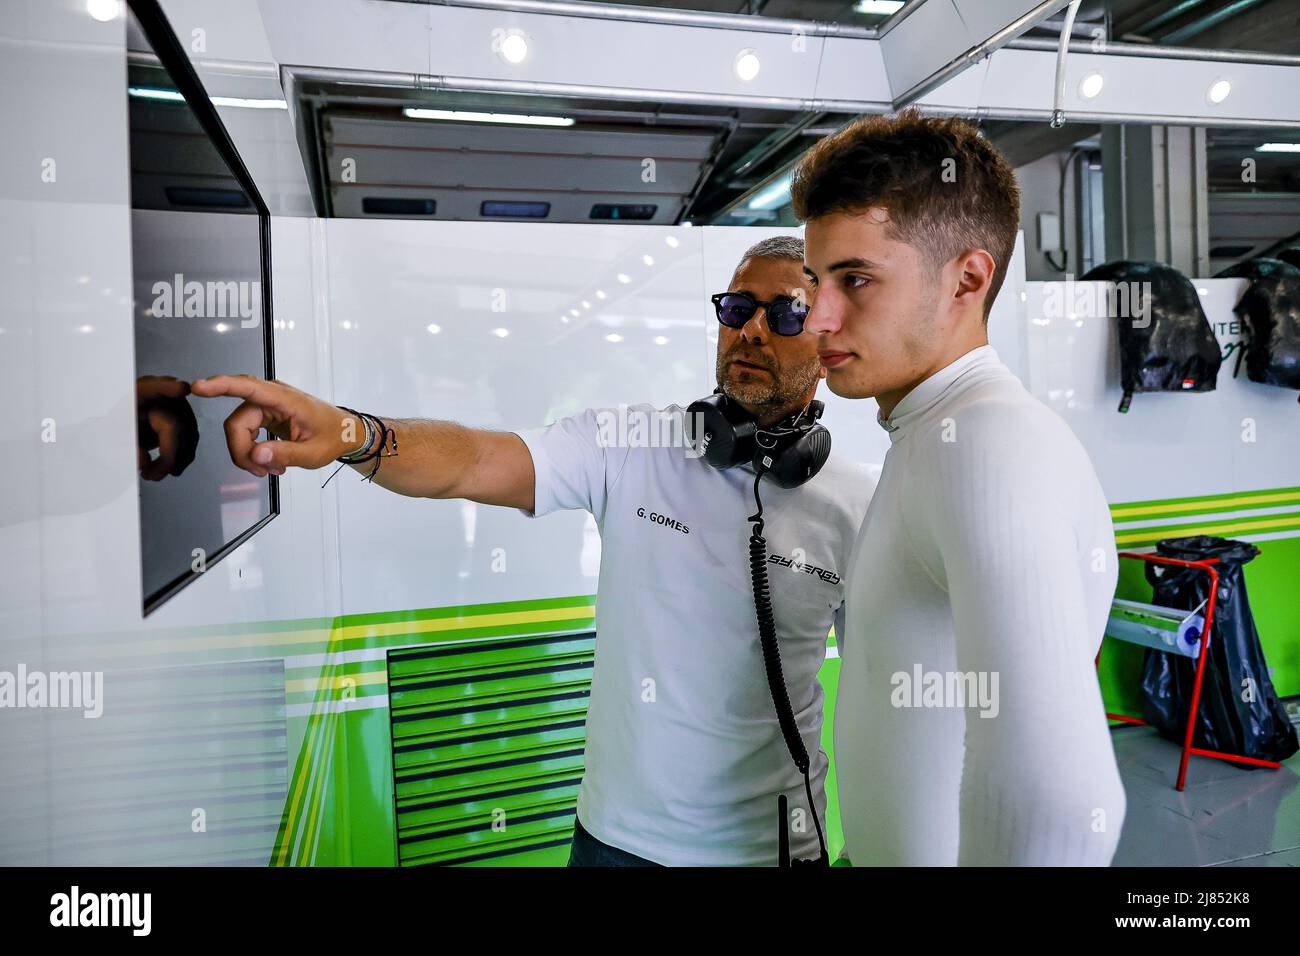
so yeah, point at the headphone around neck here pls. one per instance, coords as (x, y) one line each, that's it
(789, 452)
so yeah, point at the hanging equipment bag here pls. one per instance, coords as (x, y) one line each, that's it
(1165, 342)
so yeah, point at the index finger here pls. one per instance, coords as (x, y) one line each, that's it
(256, 390)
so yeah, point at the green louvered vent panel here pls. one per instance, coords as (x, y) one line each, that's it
(485, 731)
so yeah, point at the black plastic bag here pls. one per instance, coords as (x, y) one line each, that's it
(1170, 346)
(1270, 311)
(1225, 721)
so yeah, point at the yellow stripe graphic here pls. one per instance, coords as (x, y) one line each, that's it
(1125, 512)
(436, 625)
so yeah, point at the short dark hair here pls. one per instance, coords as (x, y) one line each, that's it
(947, 189)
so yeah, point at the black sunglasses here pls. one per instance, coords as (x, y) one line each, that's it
(785, 315)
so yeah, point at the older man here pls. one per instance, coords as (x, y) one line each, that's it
(685, 760)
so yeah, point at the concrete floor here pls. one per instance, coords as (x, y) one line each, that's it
(1225, 816)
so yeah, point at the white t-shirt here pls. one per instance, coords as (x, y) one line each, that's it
(684, 757)
(986, 565)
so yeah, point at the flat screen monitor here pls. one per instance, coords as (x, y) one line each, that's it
(200, 247)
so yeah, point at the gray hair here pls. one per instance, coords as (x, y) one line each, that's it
(774, 247)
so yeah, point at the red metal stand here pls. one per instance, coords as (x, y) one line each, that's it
(1208, 567)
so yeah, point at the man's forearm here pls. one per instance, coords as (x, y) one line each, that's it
(433, 458)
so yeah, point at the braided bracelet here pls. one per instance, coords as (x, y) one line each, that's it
(364, 452)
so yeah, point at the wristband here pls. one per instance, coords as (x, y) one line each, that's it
(360, 453)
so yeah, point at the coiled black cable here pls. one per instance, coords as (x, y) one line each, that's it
(772, 661)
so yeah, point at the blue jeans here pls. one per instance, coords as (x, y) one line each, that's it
(588, 851)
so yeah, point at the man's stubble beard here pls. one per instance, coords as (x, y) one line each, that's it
(784, 388)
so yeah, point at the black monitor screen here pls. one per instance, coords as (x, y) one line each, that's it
(201, 263)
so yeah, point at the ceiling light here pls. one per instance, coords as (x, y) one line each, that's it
(746, 65)
(103, 10)
(880, 8)
(172, 96)
(470, 116)
(247, 103)
(1091, 85)
(1218, 92)
(1278, 148)
(774, 196)
(514, 48)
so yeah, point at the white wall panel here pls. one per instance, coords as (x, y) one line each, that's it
(1169, 444)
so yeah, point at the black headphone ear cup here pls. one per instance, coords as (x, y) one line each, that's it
(819, 447)
(722, 433)
(797, 460)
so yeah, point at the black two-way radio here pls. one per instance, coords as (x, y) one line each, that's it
(790, 453)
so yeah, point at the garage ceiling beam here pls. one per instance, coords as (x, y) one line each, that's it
(930, 41)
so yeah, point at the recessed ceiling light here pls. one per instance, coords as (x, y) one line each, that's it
(501, 333)
(174, 96)
(881, 8)
(1091, 85)
(433, 328)
(104, 10)
(774, 196)
(613, 337)
(471, 116)
(1218, 91)
(746, 65)
(514, 47)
